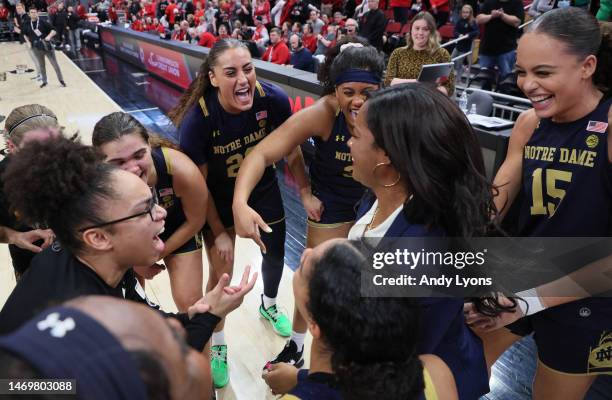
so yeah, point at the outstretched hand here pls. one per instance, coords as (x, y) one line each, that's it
(223, 298)
(247, 223)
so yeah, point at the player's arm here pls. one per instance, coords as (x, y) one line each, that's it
(508, 178)
(190, 186)
(316, 120)
(441, 376)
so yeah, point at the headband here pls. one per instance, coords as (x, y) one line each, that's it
(358, 75)
(65, 343)
(29, 118)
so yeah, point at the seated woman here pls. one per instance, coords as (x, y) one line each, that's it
(356, 363)
(24, 124)
(422, 48)
(106, 221)
(178, 185)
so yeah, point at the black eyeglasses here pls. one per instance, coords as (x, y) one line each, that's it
(153, 201)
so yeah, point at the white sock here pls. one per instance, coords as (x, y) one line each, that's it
(298, 338)
(268, 301)
(218, 338)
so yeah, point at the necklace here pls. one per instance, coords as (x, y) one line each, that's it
(370, 226)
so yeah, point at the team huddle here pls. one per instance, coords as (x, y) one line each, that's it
(397, 161)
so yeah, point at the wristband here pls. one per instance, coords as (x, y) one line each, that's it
(529, 302)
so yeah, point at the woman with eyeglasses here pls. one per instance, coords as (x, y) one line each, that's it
(180, 188)
(106, 221)
(24, 124)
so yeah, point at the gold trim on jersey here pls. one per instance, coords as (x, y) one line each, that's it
(203, 106)
(167, 160)
(260, 89)
(315, 224)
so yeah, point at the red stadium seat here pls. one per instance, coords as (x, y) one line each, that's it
(405, 29)
(446, 32)
(389, 14)
(393, 27)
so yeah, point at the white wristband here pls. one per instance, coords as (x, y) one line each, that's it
(529, 302)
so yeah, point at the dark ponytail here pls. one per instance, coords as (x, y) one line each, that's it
(115, 125)
(583, 36)
(58, 183)
(201, 84)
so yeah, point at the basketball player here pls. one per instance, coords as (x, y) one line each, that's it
(222, 116)
(350, 72)
(180, 189)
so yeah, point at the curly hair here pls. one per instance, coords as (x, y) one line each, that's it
(59, 183)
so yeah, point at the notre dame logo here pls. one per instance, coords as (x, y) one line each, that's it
(600, 357)
(592, 141)
(262, 123)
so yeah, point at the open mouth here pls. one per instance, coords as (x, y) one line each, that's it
(157, 242)
(243, 95)
(354, 113)
(541, 101)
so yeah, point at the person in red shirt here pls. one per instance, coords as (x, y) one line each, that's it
(277, 52)
(207, 39)
(440, 10)
(401, 10)
(171, 12)
(149, 9)
(137, 24)
(4, 13)
(309, 39)
(199, 13)
(262, 8)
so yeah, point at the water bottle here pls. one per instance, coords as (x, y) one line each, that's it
(463, 102)
(472, 109)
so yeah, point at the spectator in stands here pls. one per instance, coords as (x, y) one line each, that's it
(207, 39)
(301, 11)
(74, 32)
(440, 10)
(351, 27)
(182, 34)
(149, 9)
(401, 10)
(422, 48)
(301, 57)
(468, 28)
(316, 22)
(223, 32)
(498, 46)
(296, 27)
(161, 8)
(360, 10)
(199, 13)
(244, 13)
(286, 31)
(171, 12)
(539, 7)
(134, 8)
(4, 14)
(190, 20)
(59, 20)
(309, 39)
(260, 36)
(372, 25)
(188, 7)
(277, 12)
(136, 24)
(339, 19)
(262, 8)
(277, 52)
(324, 43)
(330, 7)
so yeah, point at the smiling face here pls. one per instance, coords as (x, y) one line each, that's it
(554, 80)
(130, 153)
(420, 34)
(351, 96)
(234, 77)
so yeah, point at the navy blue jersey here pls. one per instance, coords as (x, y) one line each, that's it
(331, 171)
(567, 186)
(315, 386)
(443, 329)
(165, 192)
(210, 135)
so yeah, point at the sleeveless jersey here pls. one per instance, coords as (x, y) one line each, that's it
(210, 135)
(165, 192)
(567, 182)
(331, 170)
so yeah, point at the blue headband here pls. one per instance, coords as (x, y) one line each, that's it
(64, 343)
(358, 75)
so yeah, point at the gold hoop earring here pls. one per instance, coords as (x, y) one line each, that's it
(380, 164)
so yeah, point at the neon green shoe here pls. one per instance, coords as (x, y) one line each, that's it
(218, 365)
(280, 322)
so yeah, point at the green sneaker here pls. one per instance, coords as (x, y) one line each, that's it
(218, 365)
(280, 322)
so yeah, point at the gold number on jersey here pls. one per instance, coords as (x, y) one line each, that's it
(348, 171)
(552, 176)
(234, 162)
